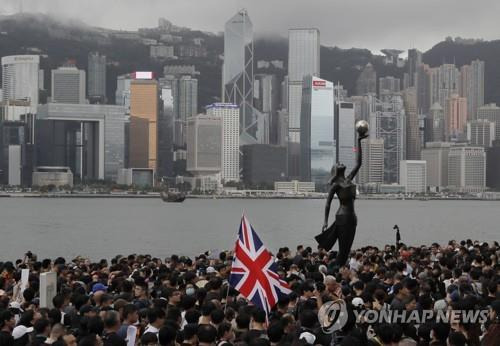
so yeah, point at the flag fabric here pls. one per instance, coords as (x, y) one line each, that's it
(254, 272)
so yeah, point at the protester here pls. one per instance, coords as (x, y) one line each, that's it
(143, 300)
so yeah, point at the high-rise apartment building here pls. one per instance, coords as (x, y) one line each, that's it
(143, 142)
(20, 79)
(317, 147)
(388, 122)
(412, 124)
(367, 81)
(491, 112)
(436, 156)
(413, 176)
(204, 145)
(372, 170)
(422, 80)
(456, 117)
(467, 169)
(414, 61)
(472, 86)
(344, 134)
(96, 74)
(230, 115)
(481, 132)
(68, 85)
(303, 60)
(437, 122)
(237, 73)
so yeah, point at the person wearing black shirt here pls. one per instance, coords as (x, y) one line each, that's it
(7, 324)
(111, 327)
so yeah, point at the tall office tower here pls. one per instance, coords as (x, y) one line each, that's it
(230, 115)
(413, 176)
(345, 142)
(456, 117)
(165, 132)
(472, 87)
(283, 128)
(414, 61)
(412, 124)
(303, 60)
(237, 73)
(339, 92)
(20, 79)
(122, 94)
(367, 81)
(389, 84)
(481, 132)
(388, 122)
(96, 74)
(186, 105)
(438, 123)
(467, 169)
(422, 80)
(317, 147)
(90, 139)
(449, 81)
(372, 170)
(493, 166)
(284, 93)
(266, 100)
(68, 85)
(491, 112)
(434, 86)
(363, 106)
(436, 156)
(204, 145)
(143, 142)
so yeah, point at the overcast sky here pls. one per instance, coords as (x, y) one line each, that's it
(372, 24)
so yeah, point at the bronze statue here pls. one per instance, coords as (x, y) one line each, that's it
(344, 227)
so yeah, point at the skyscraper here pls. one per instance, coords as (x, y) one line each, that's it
(303, 60)
(467, 169)
(422, 80)
(456, 117)
(412, 124)
(413, 176)
(185, 106)
(436, 156)
(491, 112)
(389, 84)
(143, 143)
(68, 84)
(237, 72)
(388, 122)
(122, 94)
(493, 166)
(266, 99)
(204, 144)
(481, 132)
(414, 61)
(438, 123)
(96, 75)
(20, 79)
(345, 143)
(317, 147)
(448, 83)
(230, 115)
(372, 170)
(165, 132)
(367, 81)
(472, 86)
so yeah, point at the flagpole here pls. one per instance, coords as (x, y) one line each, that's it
(228, 284)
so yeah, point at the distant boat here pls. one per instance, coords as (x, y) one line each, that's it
(175, 197)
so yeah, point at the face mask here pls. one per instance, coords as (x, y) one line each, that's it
(190, 291)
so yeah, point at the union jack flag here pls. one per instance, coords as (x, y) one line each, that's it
(254, 271)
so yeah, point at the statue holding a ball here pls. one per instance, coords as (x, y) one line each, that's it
(344, 227)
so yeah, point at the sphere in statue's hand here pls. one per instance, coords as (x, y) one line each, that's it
(362, 127)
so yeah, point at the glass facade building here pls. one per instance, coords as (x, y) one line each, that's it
(317, 147)
(345, 134)
(20, 74)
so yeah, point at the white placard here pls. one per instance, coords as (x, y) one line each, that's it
(131, 335)
(48, 289)
(25, 274)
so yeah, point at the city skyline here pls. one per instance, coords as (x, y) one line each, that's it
(374, 34)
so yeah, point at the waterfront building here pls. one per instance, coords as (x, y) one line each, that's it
(140, 177)
(263, 164)
(317, 147)
(56, 176)
(344, 134)
(90, 139)
(372, 170)
(413, 176)
(230, 115)
(491, 112)
(493, 166)
(294, 186)
(435, 154)
(481, 132)
(467, 169)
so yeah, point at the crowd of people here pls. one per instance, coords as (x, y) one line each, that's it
(143, 300)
